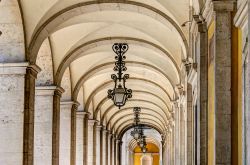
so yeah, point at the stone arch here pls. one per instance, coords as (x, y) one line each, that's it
(134, 91)
(129, 108)
(74, 53)
(135, 100)
(143, 120)
(144, 115)
(44, 29)
(131, 125)
(103, 86)
(94, 70)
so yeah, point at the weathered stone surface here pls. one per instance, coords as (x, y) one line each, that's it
(11, 46)
(65, 136)
(66, 85)
(11, 119)
(79, 139)
(44, 61)
(43, 126)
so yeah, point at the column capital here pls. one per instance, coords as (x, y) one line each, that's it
(111, 133)
(45, 90)
(80, 113)
(98, 127)
(225, 6)
(69, 103)
(13, 68)
(104, 130)
(59, 91)
(201, 23)
(92, 122)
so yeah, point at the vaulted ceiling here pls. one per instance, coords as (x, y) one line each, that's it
(80, 35)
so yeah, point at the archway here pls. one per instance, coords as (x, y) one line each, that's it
(146, 160)
(151, 157)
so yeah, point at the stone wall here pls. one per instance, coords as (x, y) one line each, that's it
(11, 113)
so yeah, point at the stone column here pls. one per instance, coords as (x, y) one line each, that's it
(190, 126)
(119, 153)
(202, 88)
(85, 138)
(104, 152)
(111, 148)
(116, 152)
(56, 125)
(222, 60)
(172, 147)
(163, 152)
(79, 137)
(65, 133)
(247, 99)
(101, 146)
(13, 123)
(107, 148)
(73, 134)
(177, 134)
(98, 144)
(43, 124)
(168, 149)
(91, 144)
(28, 130)
(95, 143)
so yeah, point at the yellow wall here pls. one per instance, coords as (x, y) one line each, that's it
(236, 97)
(211, 96)
(240, 134)
(152, 148)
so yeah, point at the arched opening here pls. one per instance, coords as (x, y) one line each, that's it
(188, 68)
(147, 160)
(151, 157)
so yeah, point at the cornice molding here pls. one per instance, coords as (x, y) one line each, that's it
(13, 68)
(45, 90)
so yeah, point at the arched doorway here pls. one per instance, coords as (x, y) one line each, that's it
(146, 160)
(151, 157)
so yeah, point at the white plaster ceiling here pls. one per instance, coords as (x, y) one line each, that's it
(81, 38)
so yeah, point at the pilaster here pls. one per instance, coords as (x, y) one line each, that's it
(85, 137)
(202, 89)
(66, 131)
(56, 125)
(43, 124)
(17, 113)
(79, 137)
(111, 148)
(91, 145)
(247, 97)
(222, 62)
(73, 133)
(107, 147)
(29, 105)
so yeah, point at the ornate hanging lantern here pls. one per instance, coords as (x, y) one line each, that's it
(142, 144)
(137, 132)
(144, 149)
(120, 93)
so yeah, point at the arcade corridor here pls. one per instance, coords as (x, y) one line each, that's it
(124, 82)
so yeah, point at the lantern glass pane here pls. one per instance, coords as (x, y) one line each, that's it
(141, 144)
(119, 96)
(136, 136)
